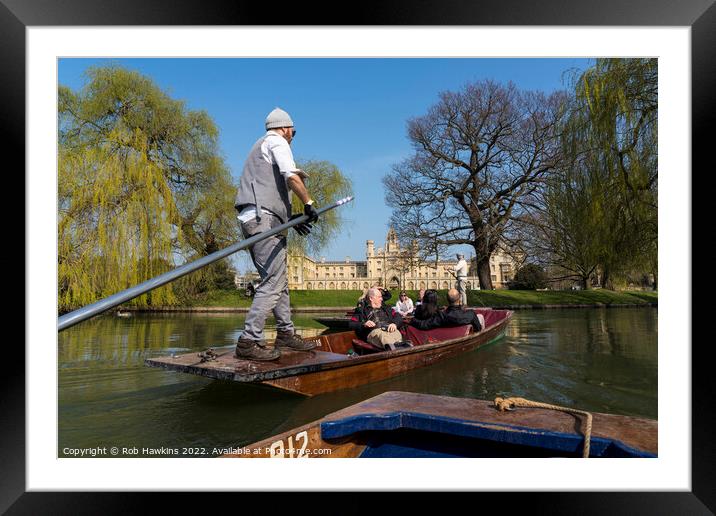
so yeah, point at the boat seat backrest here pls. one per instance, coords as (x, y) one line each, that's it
(491, 316)
(418, 337)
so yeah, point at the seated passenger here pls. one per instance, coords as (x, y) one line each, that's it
(453, 315)
(421, 293)
(363, 300)
(429, 306)
(375, 322)
(404, 306)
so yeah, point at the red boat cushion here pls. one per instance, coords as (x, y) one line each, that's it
(418, 337)
(364, 348)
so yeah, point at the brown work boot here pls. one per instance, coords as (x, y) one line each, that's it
(247, 349)
(293, 341)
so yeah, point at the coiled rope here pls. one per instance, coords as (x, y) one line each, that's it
(504, 404)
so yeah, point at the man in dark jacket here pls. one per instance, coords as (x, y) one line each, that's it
(375, 322)
(363, 300)
(453, 315)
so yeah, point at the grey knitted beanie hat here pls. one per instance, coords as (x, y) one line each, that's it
(278, 118)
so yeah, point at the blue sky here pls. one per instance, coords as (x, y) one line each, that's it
(351, 112)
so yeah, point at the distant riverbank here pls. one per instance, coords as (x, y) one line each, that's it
(341, 300)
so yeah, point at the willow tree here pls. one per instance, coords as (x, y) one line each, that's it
(614, 122)
(141, 185)
(478, 153)
(568, 230)
(327, 184)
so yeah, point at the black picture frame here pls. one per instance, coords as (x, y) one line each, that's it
(700, 15)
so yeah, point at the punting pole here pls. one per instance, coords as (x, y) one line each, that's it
(84, 313)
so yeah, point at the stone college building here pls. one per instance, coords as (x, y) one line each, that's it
(390, 267)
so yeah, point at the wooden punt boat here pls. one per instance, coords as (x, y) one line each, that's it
(340, 360)
(404, 424)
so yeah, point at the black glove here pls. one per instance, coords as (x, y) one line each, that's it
(309, 210)
(304, 228)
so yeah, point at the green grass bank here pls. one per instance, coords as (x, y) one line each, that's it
(232, 299)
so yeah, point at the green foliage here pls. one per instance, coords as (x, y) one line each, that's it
(529, 277)
(326, 184)
(612, 131)
(141, 184)
(574, 225)
(598, 212)
(217, 276)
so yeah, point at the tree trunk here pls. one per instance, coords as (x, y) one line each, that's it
(585, 282)
(606, 278)
(483, 273)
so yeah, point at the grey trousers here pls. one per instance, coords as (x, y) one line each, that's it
(269, 257)
(460, 286)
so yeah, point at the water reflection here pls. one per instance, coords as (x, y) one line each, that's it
(600, 360)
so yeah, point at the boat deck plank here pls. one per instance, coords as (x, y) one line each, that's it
(227, 366)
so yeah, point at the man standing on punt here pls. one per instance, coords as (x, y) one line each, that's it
(460, 271)
(263, 202)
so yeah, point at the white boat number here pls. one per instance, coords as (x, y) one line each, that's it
(277, 449)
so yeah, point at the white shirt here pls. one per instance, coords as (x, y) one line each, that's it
(404, 308)
(461, 269)
(276, 151)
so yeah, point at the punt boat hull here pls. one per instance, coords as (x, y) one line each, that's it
(403, 424)
(331, 366)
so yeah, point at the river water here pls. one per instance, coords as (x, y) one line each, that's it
(602, 360)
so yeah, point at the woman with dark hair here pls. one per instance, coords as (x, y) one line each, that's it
(429, 306)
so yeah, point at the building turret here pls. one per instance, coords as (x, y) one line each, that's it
(391, 241)
(369, 251)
